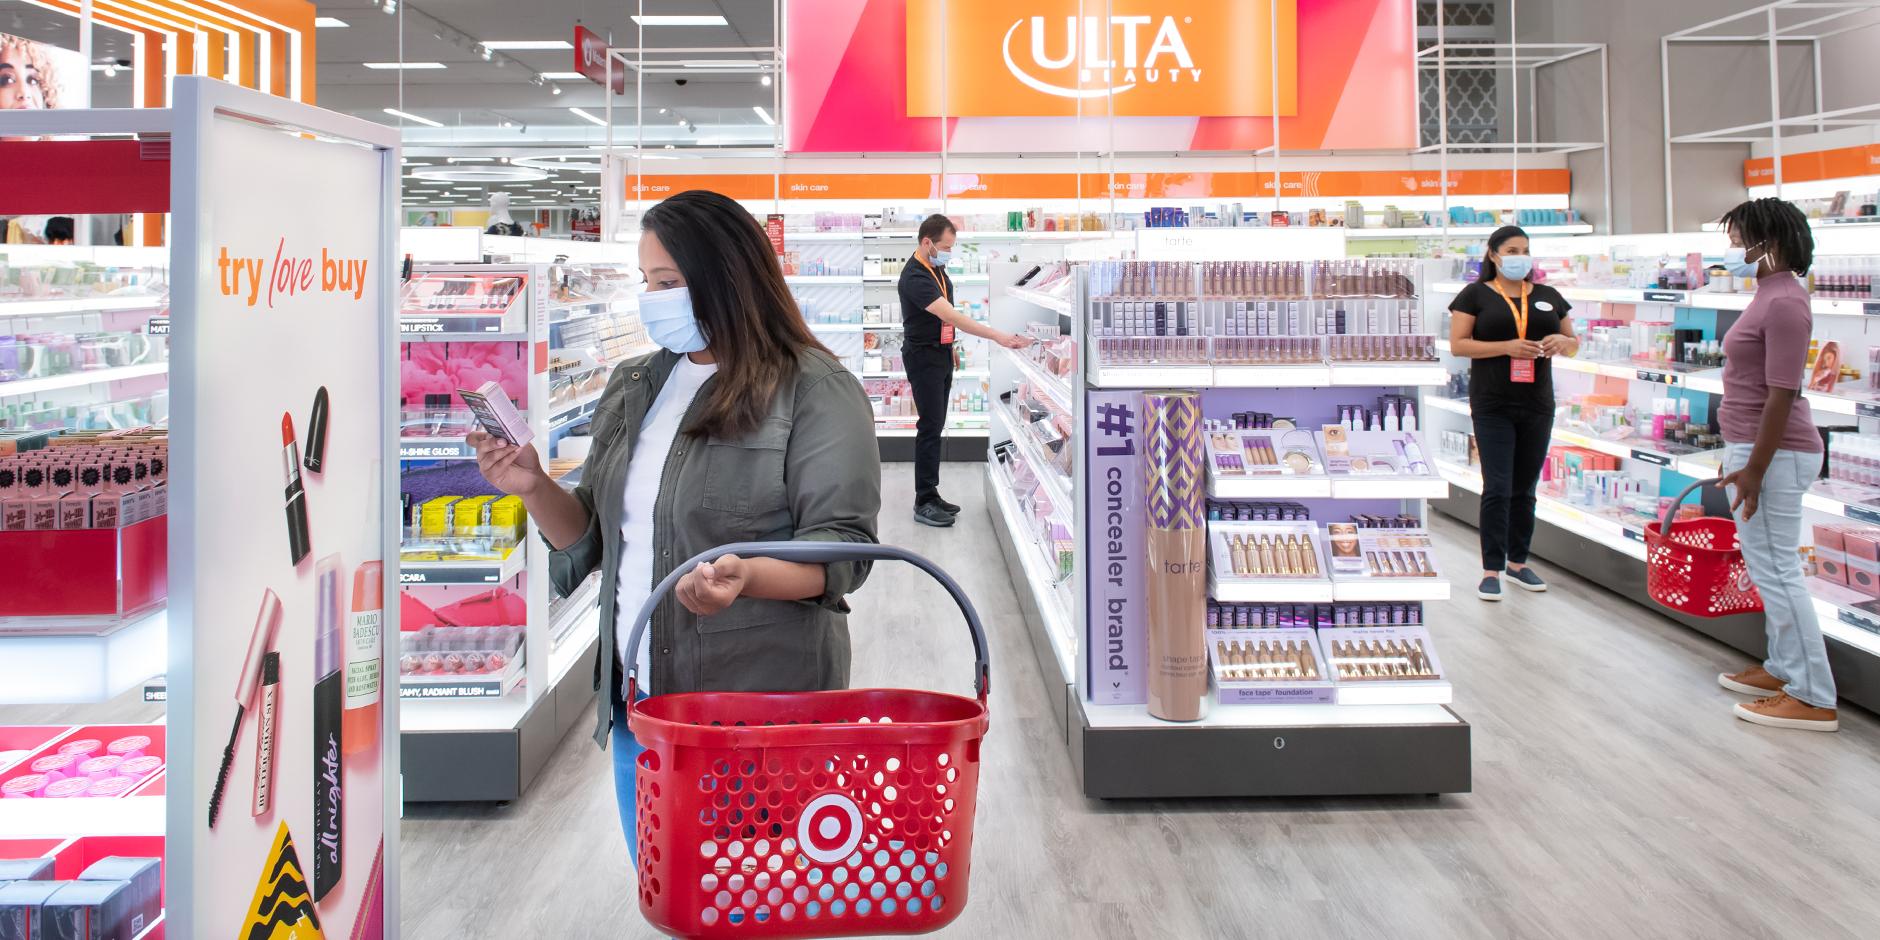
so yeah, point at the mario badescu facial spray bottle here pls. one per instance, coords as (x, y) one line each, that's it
(1177, 555)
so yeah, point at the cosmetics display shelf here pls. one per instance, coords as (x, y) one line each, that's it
(1625, 539)
(856, 327)
(1446, 404)
(567, 413)
(1859, 504)
(70, 819)
(1701, 299)
(101, 303)
(901, 374)
(1698, 464)
(51, 383)
(1063, 305)
(909, 236)
(1054, 387)
(87, 661)
(1057, 488)
(1310, 375)
(1322, 591)
(1050, 594)
(1847, 615)
(465, 572)
(1462, 231)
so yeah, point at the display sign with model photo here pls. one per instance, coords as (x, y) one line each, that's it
(279, 411)
(37, 75)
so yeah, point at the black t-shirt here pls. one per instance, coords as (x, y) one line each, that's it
(919, 289)
(1489, 385)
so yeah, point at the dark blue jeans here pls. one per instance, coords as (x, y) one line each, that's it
(626, 756)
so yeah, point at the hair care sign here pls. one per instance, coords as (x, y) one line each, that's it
(280, 419)
(1116, 547)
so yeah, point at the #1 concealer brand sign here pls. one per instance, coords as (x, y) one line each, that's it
(280, 414)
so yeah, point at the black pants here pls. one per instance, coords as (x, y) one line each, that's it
(930, 375)
(1512, 443)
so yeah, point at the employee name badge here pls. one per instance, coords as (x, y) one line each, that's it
(946, 333)
(1521, 370)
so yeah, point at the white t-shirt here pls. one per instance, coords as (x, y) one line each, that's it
(635, 580)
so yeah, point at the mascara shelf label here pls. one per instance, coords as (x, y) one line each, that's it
(1861, 514)
(1652, 457)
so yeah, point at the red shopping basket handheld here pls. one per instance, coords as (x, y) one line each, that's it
(806, 814)
(1695, 567)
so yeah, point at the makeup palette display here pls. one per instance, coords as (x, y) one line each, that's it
(1375, 453)
(1380, 553)
(1281, 452)
(1280, 666)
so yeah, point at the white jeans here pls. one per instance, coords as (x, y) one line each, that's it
(1770, 542)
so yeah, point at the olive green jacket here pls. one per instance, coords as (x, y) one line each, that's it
(811, 471)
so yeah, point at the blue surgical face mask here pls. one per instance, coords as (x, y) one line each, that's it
(941, 257)
(669, 322)
(1736, 261)
(1517, 267)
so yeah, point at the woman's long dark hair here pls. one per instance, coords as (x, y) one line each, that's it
(1494, 244)
(743, 305)
(1776, 225)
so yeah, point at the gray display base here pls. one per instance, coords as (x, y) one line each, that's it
(1175, 761)
(959, 447)
(1856, 671)
(500, 763)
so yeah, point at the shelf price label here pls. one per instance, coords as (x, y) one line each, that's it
(492, 689)
(157, 326)
(1664, 297)
(478, 575)
(450, 324)
(456, 451)
(1870, 309)
(1662, 378)
(1853, 619)
(1865, 410)
(1862, 514)
(1652, 457)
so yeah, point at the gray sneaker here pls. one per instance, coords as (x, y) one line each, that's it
(931, 514)
(1528, 579)
(1489, 589)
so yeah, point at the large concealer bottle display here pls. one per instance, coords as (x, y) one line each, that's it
(1177, 553)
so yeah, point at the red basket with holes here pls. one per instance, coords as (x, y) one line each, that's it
(1696, 567)
(806, 814)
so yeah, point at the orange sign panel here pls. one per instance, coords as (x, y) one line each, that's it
(1212, 58)
(1839, 163)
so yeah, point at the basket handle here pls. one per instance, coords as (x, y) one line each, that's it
(1664, 523)
(814, 553)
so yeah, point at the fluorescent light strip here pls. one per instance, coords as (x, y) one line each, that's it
(394, 112)
(500, 44)
(679, 20)
(580, 113)
(763, 114)
(563, 76)
(327, 22)
(405, 65)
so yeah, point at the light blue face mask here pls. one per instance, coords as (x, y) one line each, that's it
(941, 257)
(669, 322)
(1736, 261)
(1517, 267)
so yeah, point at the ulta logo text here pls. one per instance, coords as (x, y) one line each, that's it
(1167, 58)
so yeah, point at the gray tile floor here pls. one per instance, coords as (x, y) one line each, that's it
(1614, 796)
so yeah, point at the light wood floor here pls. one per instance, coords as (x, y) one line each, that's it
(1614, 796)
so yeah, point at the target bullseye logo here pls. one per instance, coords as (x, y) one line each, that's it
(830, 828)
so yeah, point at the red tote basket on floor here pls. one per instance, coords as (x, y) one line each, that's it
(1695, 566)
(806, 814)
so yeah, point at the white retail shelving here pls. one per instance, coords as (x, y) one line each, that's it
(46, 669)
(51, 383)
(96, 304)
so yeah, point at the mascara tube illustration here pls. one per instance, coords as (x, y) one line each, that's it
(299, 544)
(265, 722)
(1177, 547)
(260, 643)
(329, 702)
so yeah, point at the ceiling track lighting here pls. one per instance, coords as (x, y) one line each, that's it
(390, 7)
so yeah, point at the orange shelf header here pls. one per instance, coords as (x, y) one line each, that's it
(1814, 165)
(1336, 184)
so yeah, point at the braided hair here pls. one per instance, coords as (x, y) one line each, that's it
(1778, 226)
(1495, 242)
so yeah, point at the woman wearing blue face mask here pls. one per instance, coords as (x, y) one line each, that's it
(1508, 325)
(743, 428)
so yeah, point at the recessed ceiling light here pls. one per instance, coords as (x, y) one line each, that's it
(525, 44)
(327, 22)
(412, 117)
(679, 20)
(583, 114)
(563, 76)
(405, 65)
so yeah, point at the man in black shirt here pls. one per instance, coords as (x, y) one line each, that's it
(929, 321)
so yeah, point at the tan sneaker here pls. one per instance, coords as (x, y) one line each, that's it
(1781, 711)
(1752, 681)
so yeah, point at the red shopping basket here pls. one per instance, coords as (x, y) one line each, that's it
(806, 814)
(1695, 566)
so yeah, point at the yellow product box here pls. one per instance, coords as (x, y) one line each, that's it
(466, 515)
(434, 517)
(507, 516)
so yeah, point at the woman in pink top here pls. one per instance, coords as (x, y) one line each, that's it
(1772, 455)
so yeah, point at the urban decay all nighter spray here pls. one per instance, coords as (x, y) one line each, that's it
(329, 702)
(1176, 537)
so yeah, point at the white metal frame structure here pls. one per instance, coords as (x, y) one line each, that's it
(1515, 56)
(1823, 18)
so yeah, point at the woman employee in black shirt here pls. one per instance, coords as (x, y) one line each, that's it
(1508, 325)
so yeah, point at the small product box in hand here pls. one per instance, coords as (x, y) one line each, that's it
(497, 413)
(1279, 666)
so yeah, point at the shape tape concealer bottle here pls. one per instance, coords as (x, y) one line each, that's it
(1177, 552)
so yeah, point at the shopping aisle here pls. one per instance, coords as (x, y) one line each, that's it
(1614, 795)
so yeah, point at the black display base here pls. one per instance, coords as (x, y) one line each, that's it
(970, 448)
(1856, 671)
(493, 764)
(1177, 761)
(1338, 760)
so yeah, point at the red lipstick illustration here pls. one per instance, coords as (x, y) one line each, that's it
(298, 543)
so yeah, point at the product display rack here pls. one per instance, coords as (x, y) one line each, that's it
(1603, 540)
(1399, 740)
(484, 734)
